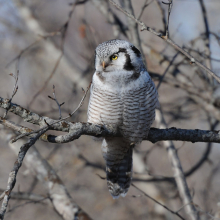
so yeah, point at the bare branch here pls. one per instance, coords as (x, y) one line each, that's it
(201, 161)
(75, 130)
(38, 30)
(205, 155)
(57, 192)
(41, 37)
(163, 13)
(44, 120)
(168, 209)
(47, 80)
(133, 27)
(165, 72)
(117, 25)
(24, 196)
(207, 32)
(13, 174)
(169, 41)
(179, 174)
(13, 92)
(170, 4)
(28, 202)
(146, 4)
(55, 99)
(63, 30)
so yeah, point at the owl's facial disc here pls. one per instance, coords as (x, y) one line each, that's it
(117, 55)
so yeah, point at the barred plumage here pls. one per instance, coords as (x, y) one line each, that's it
(123, 98)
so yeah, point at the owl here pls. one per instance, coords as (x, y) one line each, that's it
(123, 99)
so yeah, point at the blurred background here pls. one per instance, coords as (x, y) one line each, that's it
(35, 40)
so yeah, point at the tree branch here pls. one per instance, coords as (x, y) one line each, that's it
(75, 130)
(133, 27)
(179, 174)
(117, 25)
(207, 33)
(13, 174)
(168, 209)
(168, 40)
(58, 194)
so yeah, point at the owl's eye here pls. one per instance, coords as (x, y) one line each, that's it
(114, 57)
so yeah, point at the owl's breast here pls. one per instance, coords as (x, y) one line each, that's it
(128, 108)
(105, 108)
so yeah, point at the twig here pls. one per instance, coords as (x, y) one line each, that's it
(81, 102)
(146, 4)
(41, 37)
(202, 54)
(63, 30)
(47, 80)
(207, 32)
(163, 15)
(22, 52)
(205, 156)
(165, 72)
(208, 214)
(169, 41)
(91, 164)
(24, 196)
(216, 37)
(171, 211)
(170, 4)
(62, 119)
(55, 99)
(118, 25)
(79, 2)
(26, 203)
(201, 161)
(133, 27)
(13, 93)
(33, 185)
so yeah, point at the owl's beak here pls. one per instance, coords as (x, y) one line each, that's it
(103, 64)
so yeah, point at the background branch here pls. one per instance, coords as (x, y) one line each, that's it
(57, 192)
(169, 41)
(179, 174)
(13, 174)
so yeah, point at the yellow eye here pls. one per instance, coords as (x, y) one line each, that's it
(114, 57)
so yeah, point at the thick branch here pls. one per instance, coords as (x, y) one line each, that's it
(75, 130)
(79, 128)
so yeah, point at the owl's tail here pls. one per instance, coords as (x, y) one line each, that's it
(118, 155)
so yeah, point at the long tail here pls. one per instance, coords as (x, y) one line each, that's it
(118, 155)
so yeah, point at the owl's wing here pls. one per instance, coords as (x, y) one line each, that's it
(157, 96)
(151, 103)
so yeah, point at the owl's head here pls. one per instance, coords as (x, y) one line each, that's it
(117, 55)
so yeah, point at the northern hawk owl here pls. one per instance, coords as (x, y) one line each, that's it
(123, 98)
